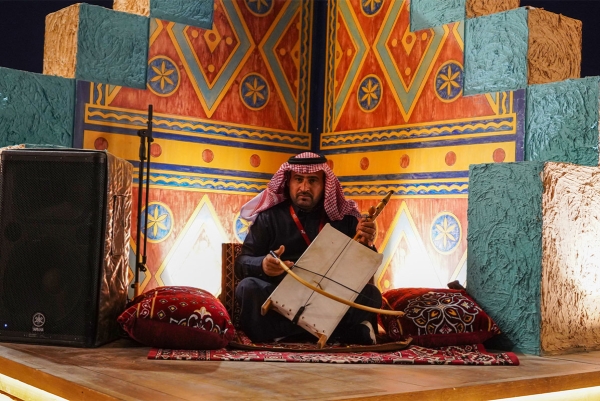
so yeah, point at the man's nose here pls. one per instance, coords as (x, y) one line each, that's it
(304, 185)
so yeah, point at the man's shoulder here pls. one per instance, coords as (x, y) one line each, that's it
(274, 210)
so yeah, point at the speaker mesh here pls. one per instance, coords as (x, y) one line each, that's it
(52, 212)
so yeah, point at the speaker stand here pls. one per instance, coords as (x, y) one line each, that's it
(144, 169)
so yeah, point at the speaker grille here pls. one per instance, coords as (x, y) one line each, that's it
(52, 213)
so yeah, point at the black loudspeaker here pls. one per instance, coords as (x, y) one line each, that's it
(65, 217)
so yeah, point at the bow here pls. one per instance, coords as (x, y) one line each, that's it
(265, 307)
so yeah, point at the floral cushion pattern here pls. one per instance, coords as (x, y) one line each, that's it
(436, 317)
(178, 318)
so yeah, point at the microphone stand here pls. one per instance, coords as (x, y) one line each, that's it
(145, 144)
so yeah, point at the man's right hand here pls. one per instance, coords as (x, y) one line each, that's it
(271, 266)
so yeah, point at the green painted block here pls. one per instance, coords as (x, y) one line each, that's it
(532, 261)
(197, 13)
(505, 249)
(426, 14)
(36, 109)
(112, 47)
(562, 121)
(495, 53)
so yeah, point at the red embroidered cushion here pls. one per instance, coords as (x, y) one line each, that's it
(436, 317)
(178, 318)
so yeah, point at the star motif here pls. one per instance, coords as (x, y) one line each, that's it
(245, 226)
(371, 3)
(155, 222)
(259, 4)
(449, 81)
(162, 75)
(445, 232)
(254, 90)
(369, 91)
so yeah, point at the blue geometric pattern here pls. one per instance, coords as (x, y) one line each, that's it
(259, 7)
(369, 93)
(254, 91)
(371, 7)
(449, 81)
(160, 222)
(445, 232)
(163, 76)
(241, 227)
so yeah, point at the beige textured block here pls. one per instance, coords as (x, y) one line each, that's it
(477, 8)
(533, 262)
(570, 299)
(97, 44)
(554, 47)
(60, 42)
(139, 7)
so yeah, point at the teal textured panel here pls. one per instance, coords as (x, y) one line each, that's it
(430, 13)
(504, 260)
(195, 13)
(562, 121)
(35, 108)
(112, 47)
(496, 52)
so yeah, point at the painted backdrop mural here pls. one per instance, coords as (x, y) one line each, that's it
(396, 120)
(231, 104)
(229, 107)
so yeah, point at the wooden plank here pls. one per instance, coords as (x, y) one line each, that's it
(50, 383)
(121, 370)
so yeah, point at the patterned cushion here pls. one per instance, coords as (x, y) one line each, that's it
(436, 317)
(178, 318)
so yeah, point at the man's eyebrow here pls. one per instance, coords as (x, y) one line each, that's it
(310, 175)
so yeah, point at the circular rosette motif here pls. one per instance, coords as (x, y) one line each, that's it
(449, 81)
(446, 232)
(241, 227)
(442, 313)
(259, 7)
(371, 7)
(254, 91)
(160, 222)
(369, 93)
(163, 76)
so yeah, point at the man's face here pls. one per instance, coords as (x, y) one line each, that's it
(306, 190)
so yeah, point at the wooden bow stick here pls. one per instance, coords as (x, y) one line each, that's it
(374, 211)
(266, 307)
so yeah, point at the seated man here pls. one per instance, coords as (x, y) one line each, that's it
(300, 199)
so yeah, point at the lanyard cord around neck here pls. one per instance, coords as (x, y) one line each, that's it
(301, 227)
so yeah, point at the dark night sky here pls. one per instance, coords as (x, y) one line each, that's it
(22, 29)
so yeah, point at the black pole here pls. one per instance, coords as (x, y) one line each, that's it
(149, 139)
(144, 155)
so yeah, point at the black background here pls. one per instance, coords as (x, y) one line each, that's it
(22, 29)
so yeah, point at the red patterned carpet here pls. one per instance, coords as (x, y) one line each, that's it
(391, 353)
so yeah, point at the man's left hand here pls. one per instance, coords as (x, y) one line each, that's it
(366, 231)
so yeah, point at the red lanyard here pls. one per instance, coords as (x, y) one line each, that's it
(301, 228)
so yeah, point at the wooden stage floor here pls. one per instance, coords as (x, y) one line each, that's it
(121, 371)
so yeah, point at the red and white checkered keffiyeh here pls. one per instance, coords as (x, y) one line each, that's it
(336, 205)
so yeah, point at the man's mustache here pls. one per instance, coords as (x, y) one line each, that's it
(307, 194)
